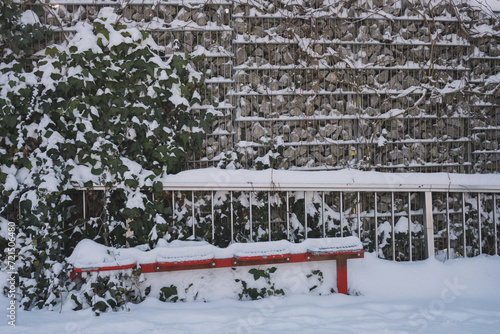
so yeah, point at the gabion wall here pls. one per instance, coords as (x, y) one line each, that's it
(329, 84)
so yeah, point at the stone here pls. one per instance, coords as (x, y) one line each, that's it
(406, 152)
(332, 77)
(301, 150)
(284, 81)
(374, 103)
(201, 19)
(396, 156)
(149, 14)
(225, 69)
(223, 142)
(289, 153)
(258, 132)
(239, 26)
(383, 77)
(309, 109)
(302, 161)
(241, 55)
(258, 52)
(245, 107)
(351, 108)
(384, 60)
(254, 80)
(184, 15)
(318, 156)
(258, 31)
(273, 84)
(294, 137)
(375, 32)
(265, 109)
(295, 111)
(363, 34)
(280, 101)
(188, 38)
(327, 130)
(127, 13)
(340, 106)
(331, 160)
(318, 48)
(288, 58)
(434, 153)
(137, 17)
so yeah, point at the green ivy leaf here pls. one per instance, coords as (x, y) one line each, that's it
(157, 187)
(97, 171)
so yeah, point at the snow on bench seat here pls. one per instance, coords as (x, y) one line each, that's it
(89, 256)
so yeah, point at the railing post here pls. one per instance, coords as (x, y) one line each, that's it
(269, 214)
(173, 208)
(358, 209)
(192, 214)
(213, 215)
(323, 213)
(84, 206)
(495, 222)
(410, 246)
(251, 220)
(305, 214)
(429, 224)
(232, 217)
(341, 216)
(288, 216)
(393, 232)
(84, 210)
(448, 241)
(375, 217)
(479, 224)
(464, 225)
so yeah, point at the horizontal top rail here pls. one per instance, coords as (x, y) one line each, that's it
(214, 179)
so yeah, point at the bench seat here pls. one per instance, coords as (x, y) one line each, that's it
(191, 255)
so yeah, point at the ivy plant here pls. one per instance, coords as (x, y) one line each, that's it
(105, 108)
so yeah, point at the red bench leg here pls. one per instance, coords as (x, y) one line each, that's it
(342, 274)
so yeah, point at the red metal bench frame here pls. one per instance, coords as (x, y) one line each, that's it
(340, 257)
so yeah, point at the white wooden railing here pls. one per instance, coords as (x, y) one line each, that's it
(448, 214)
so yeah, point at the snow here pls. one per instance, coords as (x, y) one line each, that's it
(135, 199)
(4, 228)
(10, 183)
(494, 5)
(353, 179)
(457, 296)
(91, 254)
(28, 17)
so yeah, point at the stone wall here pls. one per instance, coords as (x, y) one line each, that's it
(392, 86)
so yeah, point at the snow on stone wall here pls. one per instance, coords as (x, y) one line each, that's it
(391, 86)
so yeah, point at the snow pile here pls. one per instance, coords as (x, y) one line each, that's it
(91, 254)
(457, 296)
(233, 179)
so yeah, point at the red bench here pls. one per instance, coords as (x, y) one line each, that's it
(200, 255)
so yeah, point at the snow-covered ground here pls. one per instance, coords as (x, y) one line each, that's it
(457, 296)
